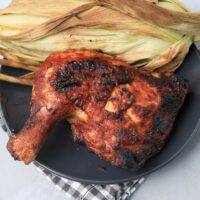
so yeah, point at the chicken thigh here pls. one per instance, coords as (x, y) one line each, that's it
(122, 114)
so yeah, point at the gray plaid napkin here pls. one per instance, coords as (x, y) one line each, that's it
(80, 191)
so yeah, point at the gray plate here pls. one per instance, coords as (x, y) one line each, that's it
(62, 156)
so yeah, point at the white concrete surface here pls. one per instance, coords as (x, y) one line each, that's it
(179, 180)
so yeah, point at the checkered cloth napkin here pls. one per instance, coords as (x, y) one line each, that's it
(81, 191)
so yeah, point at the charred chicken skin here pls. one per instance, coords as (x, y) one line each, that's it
(122, 114)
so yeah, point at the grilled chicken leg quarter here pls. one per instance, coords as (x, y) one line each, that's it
(122, 114)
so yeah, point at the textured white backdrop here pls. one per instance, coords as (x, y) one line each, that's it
(177, 181)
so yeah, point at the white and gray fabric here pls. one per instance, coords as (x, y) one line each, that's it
(80, 191)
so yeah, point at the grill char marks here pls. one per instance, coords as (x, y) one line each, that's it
(76, 76)
(171, 101)
(170, 87)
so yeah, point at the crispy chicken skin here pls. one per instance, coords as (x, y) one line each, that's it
(122, 114)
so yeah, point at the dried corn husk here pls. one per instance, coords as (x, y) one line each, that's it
(150, 34)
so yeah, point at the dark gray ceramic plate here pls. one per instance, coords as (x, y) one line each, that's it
(62, 156)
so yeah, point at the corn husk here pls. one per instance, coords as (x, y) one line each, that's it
(150, 34)
(16, 80)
